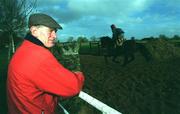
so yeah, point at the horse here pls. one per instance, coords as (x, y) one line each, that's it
(110, 49)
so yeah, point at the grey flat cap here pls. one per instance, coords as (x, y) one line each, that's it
(43, 19)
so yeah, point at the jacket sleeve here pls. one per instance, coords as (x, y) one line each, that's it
(53, 78)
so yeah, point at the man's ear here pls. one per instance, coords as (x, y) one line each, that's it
(34, 31)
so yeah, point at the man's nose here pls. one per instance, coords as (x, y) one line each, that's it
(53, 34)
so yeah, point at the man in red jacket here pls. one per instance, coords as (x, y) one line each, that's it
(35, 77)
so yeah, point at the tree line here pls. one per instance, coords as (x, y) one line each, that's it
(95, 39)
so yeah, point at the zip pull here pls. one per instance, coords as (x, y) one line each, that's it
(42, 111)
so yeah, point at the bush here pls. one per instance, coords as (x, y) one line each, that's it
(161, 49)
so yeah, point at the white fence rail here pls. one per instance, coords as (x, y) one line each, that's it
(105, 109)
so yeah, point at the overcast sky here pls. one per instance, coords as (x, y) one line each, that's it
(138, 18)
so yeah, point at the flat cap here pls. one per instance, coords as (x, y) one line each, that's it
(43, 19)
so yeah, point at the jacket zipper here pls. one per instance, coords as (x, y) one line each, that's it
(42, 111)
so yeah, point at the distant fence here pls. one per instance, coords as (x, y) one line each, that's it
(96, 44)
(91, 47)
(67, 43)
(94, 47)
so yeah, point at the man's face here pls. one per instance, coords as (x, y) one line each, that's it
(46, 35)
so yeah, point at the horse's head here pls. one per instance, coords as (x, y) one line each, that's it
(106, 42)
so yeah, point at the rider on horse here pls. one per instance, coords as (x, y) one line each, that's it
(117, 35)
(118, 39)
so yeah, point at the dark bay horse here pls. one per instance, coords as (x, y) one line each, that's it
(127, 49)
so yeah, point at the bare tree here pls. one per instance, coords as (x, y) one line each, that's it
(13, 15)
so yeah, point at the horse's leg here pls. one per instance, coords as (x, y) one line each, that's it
(114, 58)
(106, 53)
(132, 57)
(125, 60)
(115, 55)
(106, 58)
